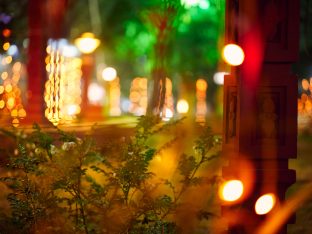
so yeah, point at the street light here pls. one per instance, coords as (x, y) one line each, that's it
(86, 43)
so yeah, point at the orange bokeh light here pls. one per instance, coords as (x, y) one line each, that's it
(265, 204)
(231, 190)
(6, 32)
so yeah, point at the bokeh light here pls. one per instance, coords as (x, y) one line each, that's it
(138, 96)
(6, 46)
(182, 106)
(265, 204)
(201, 105)
(231, 190)
(96, 93)
(233, 54)
(109, 74)
(6, 32)
(87, 43)
(218, 77)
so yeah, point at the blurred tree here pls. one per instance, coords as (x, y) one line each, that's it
(129, 35)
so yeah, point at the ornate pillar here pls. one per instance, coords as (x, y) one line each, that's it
(260, 103)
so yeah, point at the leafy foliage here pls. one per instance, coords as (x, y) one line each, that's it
(62, 182)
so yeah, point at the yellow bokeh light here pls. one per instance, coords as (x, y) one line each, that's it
(265, 204)
(201, 85)
(10, 103)
(4, 75)
(22, 113)
(231, 190)
(8, 88)
(15, 122)
(233, 54)
(14, 113)
(2, 104)
(1, 89)
(182, 106)
(48, 49)
(6, 46)
(8, 59)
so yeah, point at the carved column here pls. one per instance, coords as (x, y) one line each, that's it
(260, 102)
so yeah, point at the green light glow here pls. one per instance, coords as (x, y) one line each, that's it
(190, 3)
(203, 4)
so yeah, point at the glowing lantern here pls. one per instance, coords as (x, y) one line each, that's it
(87, 43)
(265, 203)
(109, 74)
(231, 190)
(182, 106)
(233, 54)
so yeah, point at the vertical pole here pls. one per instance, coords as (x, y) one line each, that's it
(262, 94)
(35, 66)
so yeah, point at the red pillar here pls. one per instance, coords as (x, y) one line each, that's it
(35, 65)
(260, 102)
(45, 20)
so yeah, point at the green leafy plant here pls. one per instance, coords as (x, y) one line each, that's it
(57, 182)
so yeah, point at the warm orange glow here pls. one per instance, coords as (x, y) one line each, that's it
(4, 75)
(138, 96)
(231, 190)
(17, 67)
(15, 122)
(233, 54)
(21, 113)
(6, 32)
(10, 103)
(201, 85)
(182, 106)
(8, 88)
(265, 203)
(8, 59)
(14, 113)
(2, 104)
(87, 43)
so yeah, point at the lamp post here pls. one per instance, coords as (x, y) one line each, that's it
(109, 75)
(86, 43)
